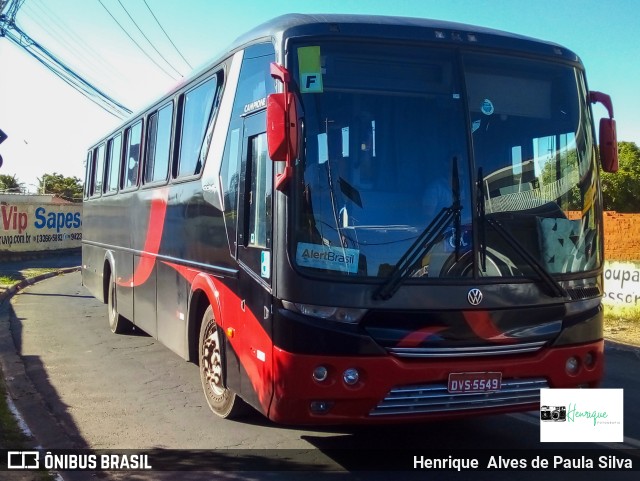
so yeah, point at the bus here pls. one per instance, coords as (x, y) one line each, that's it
(362, 219)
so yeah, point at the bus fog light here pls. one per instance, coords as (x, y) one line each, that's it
(320, 407)
(572, 365)
(351, 376)
(320, 373)
(590, 360)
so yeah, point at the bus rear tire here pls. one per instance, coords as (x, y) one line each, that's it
(117, 323)
(222, 401)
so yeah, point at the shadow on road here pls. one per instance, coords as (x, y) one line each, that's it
(43, 411)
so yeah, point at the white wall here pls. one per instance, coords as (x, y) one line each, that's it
(622, 284)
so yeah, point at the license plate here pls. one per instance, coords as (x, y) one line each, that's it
(469, 382)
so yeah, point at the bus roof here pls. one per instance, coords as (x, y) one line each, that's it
(409, 29)
(401, 28)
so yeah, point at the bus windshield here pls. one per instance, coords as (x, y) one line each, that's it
(407, 142)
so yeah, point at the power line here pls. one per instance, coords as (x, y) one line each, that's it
(136, 43)
(74, 45)
(166, 34)
(149, 41)
(51, 62)
(15, 34)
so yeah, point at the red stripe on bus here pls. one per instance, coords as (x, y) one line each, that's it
(415, 338)
(481, 324)
(152, 242)
(250, 341)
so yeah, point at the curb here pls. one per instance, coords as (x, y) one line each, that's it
(32, 280)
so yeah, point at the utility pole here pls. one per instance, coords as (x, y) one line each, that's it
(11, 31)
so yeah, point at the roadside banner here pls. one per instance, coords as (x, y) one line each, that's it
(39, 227)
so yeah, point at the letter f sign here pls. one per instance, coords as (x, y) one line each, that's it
(311, 83)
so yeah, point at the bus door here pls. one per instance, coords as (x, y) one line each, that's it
(254, 231)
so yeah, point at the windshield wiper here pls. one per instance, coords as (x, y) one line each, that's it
(482, 231)
(554, 286)
(431, 235)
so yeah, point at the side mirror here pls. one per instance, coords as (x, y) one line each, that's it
(608, 135)
(282, 125)
(608, 145)
(282, 128)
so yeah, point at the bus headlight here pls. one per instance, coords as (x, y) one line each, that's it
(320, 373)
(351, 376)
(340, 314)
(572, 365)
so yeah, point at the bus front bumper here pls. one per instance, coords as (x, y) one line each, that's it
(390, 389)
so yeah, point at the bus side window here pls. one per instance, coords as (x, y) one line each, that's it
(98, 172)
(260, 183)
(87, 175)
(114, 153)
(196, 109)
(131, 168)
(158, 144)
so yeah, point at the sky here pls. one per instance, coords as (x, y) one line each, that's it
(50, 125)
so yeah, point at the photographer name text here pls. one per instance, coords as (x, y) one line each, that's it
(607, 462)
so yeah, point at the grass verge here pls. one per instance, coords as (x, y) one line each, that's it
(7, 280)
(631, 314)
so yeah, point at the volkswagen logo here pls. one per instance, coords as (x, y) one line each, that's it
(474, 296)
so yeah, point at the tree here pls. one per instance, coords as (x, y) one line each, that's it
(620, 189)
(9, 183)
(69, 188)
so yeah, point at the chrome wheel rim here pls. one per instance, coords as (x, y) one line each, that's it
(212, 361)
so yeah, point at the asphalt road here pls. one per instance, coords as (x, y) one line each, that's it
(129, 392)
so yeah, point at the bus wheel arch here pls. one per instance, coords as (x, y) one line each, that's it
(117, 323)
(107, 271)
(212, 364)
(198, 305)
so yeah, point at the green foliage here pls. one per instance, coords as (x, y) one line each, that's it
(69, 188)
(10, 183)
(620, 189)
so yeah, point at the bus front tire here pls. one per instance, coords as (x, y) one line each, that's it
(117, 323)
(222, 401)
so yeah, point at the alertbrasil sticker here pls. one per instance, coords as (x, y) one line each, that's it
(328, 257)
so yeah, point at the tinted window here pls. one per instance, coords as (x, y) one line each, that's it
(113, 163)
(260, 194)
(99, 171)
(132, 159)
(87, 176)
(255, 83)
(196, 111)
(158, 144)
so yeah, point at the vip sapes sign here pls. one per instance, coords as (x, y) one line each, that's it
(28, 227)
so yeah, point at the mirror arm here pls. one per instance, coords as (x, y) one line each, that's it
(604, 99)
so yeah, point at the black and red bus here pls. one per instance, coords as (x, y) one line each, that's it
(357, 219)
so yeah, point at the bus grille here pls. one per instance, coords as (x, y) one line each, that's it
(434, 398)
(493, 350)
(580, 293)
